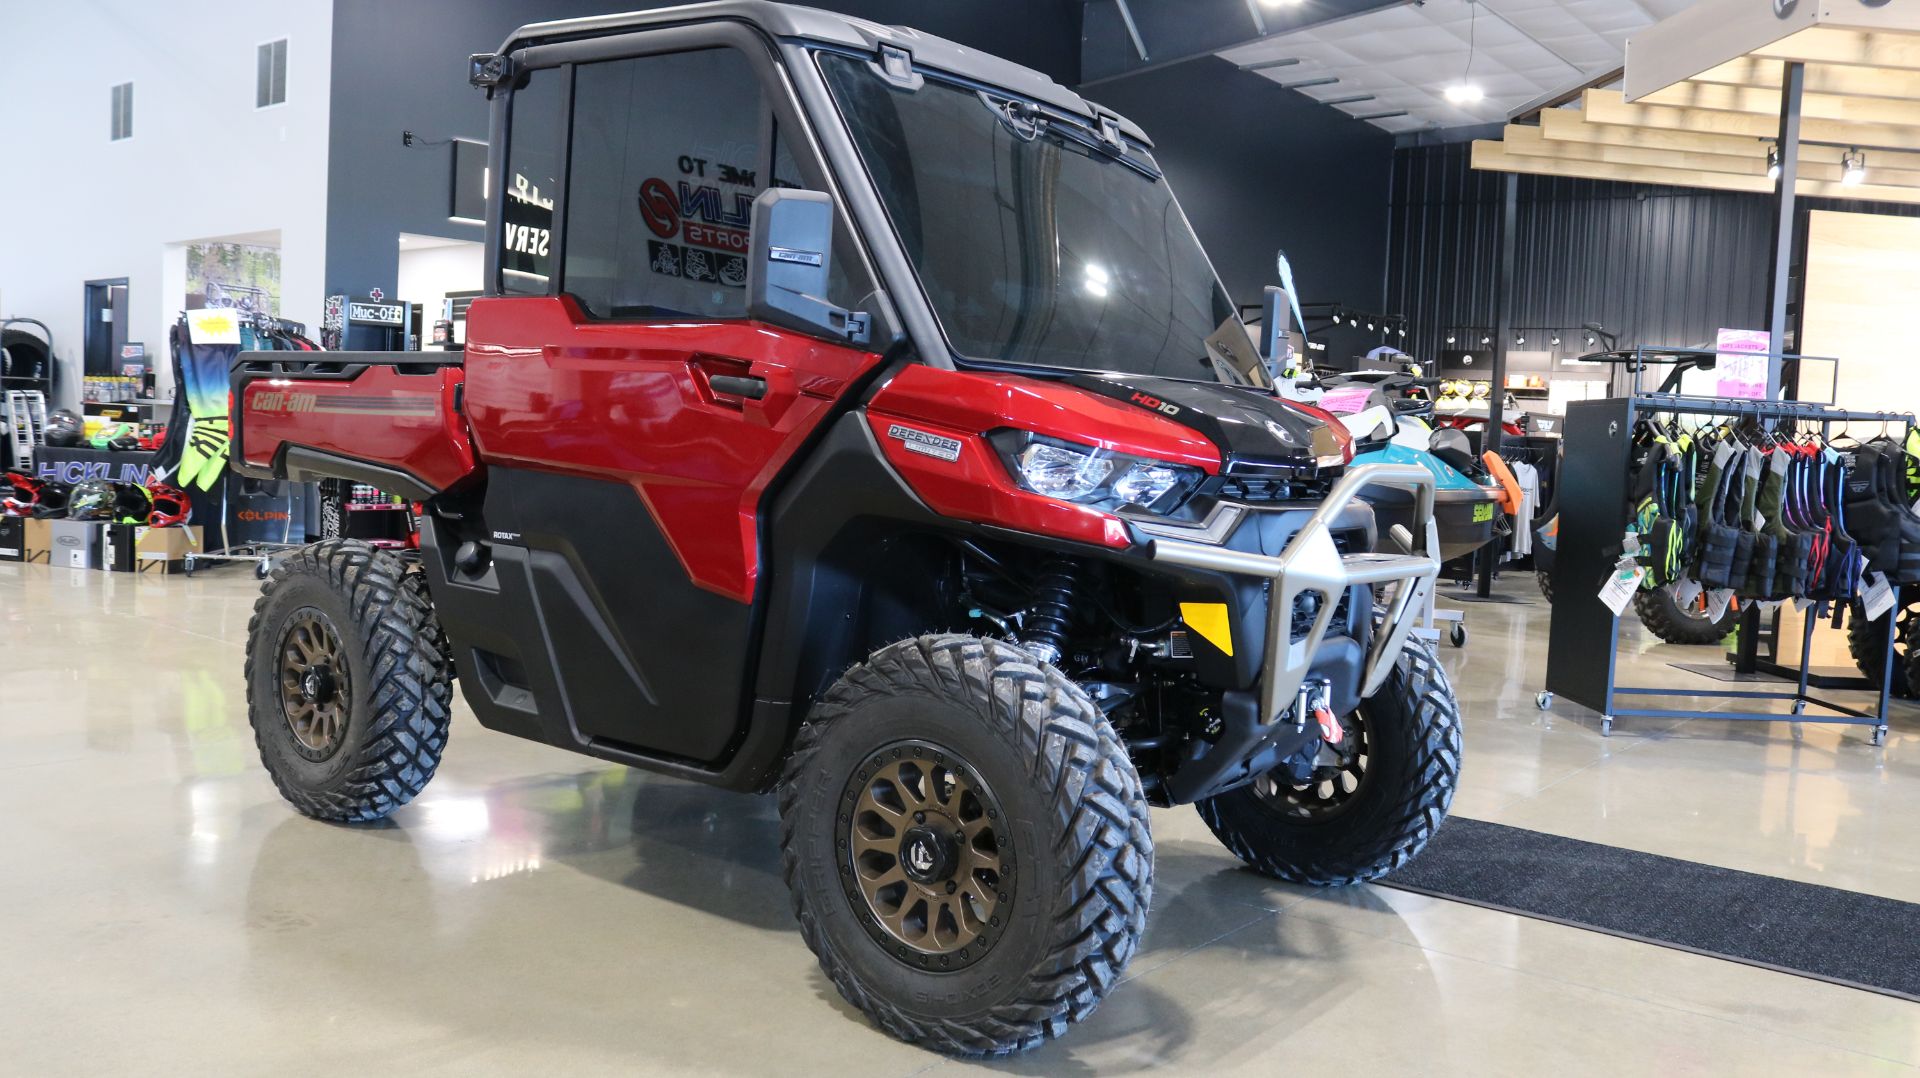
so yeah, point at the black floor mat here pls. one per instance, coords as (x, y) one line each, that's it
(1845, 937)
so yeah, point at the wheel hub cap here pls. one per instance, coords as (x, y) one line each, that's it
(314, 685)
(925, 856)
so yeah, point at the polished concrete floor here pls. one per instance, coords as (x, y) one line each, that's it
(163, 912)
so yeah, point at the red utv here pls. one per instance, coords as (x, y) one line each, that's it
(839, 422)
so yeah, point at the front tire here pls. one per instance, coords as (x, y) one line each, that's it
(1667, 619)
(962, 756)
(1360, 821)
(346, 687)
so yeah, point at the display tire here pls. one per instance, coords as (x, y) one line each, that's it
(1866, 643)
(1080, 870)
(1545, 580)
(1413, 730)
(24, 355)
(1666, 619)
(386, 669)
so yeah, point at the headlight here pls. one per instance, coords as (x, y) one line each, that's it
(1093, 477)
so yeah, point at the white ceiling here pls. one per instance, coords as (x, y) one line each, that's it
(1405, 57)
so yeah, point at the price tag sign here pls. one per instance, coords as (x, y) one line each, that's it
(1620, 587)
(1631, 544)
(1876, 595)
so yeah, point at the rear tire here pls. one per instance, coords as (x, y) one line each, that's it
(1411, 729)
(1059, 815)
(1545, 580)
(346, 689)
(1867, 642)
(1674, 624)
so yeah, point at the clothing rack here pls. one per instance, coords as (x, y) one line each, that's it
(1599, 454)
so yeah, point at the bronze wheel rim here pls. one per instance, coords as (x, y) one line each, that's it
(926, 855)
(1333, 787)
(316, 686)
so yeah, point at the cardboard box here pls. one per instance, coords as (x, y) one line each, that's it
(38, 543)
(77, 543)
(13, 539)
(165, 550)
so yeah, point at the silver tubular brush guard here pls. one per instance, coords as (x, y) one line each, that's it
(1312, 564)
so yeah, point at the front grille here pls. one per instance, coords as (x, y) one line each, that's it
(1307, 607)
(1255, 491)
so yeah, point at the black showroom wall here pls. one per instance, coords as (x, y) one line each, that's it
(1258, 168)
(1261, 169)
(1660, 266)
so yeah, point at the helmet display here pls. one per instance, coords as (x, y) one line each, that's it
(153, 437)
(52, 500)
(170, 506)
(18, 493)
(65, 430)
(132, 504)
(92, 499)
(127, 439)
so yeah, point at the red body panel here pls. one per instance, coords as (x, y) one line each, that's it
(384, 416)
(968, 405)
(549, 389)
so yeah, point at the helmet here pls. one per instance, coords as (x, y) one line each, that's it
(92, 499)
(123, 440)
(170, 506)
(153, 437)
(132, 504)
(52, 500)
(105, 436)
(64, 429)
(18, 492)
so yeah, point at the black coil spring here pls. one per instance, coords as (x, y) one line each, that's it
(1052, 604)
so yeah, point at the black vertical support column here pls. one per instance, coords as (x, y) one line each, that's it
(1780, 277)
(1779, 299)
(1503, 339)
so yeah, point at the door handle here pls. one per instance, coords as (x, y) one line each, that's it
(738, 385)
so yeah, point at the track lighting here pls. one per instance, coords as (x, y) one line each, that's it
(1519, 339)
(1556, 340)
(1854, 168)
(1592, 340)
(1452, 337)
(1773, 162)
(1486, 339)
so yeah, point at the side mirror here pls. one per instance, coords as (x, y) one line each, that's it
(789, 256)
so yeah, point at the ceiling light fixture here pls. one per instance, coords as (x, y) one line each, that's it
(1466, 91)
(1854, 168)
(1773, 162)
(1452, 337)
(1486, 339)
(1280, 3)
(1519, 339)
(1556, 340)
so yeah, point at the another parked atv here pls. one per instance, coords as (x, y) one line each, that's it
(846, 430)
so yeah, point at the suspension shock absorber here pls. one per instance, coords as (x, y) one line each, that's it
(1046, 622)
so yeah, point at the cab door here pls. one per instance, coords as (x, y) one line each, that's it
(631, 417)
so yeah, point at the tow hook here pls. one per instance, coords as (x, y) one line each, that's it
(1315, 699)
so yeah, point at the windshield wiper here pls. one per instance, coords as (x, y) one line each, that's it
(1028, 122)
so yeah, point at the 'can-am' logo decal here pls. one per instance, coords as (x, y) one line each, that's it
(930, 445)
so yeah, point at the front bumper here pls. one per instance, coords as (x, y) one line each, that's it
(1311, 565)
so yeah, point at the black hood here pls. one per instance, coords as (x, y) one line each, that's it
(1256, 431)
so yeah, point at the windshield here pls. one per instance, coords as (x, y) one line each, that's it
(1035, 243)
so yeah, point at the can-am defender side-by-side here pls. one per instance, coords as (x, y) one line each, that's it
(838, 422)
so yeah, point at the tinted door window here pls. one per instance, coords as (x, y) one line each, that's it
(534, 150)
(668, 154)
